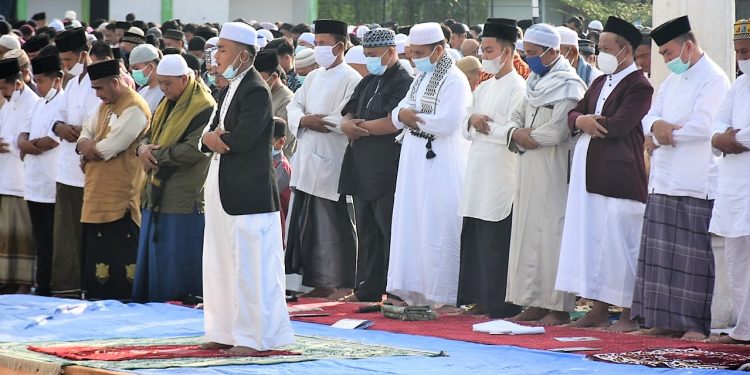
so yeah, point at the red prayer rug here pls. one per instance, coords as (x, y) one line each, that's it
(131, 352)
(677, 358)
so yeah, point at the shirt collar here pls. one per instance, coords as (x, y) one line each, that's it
(617, 77)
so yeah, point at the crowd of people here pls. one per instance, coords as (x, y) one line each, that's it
(502, 169)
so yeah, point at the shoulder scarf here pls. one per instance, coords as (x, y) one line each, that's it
(560, 83)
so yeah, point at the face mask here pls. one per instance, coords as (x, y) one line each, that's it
(324, 55)
(493, 66)
(744, 66)
(608, 63)
(230, 72)
(374, 65)
(275, 152)
(537, 66)
(301, 79)
(424, 64)
(299, 49)
(676, 65)
(50, 94)
(77, 69)
(140, 78)
(211, 80)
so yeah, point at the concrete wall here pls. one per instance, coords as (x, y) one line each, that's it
(200, 11)
(143, 10)
(54, 8)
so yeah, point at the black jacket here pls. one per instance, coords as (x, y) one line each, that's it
(247, 181)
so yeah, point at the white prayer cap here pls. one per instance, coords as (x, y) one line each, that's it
(426, 33)
(266, 34)
(239, 32)
(269, 26)
(136, 30)
(543, 35)
(10, 41)
(173, 65)
(261, 41)
(76, 23)
(102, 26)
(308, 38)
(304, 58)
(71, 15)
(212, 41)
(361, 31)
(401, 41)
(57, 25)
(91, 38)
(519, 45)
(568, 37)
(596, 25)
(143, 53)
(355, 55)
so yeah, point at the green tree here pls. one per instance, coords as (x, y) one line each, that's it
(636, 11)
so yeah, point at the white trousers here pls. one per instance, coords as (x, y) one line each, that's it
(738, 262)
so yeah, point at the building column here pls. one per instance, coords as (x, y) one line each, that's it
(85, 15)
(711, 22)
(22, 9)
(167, 7)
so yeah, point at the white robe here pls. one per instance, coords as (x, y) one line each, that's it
(426, 229)
(41, 170)
(243, 269)
(15, 113)
(602, 235)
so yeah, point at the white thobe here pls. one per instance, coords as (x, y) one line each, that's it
(152, 96)
(426, 229)
(602, 235)
(490, 182)
(243, 268)
(41, 170)
(690, 100)
(79, 104)
(731, 212)
(316, 165)
(16, 112)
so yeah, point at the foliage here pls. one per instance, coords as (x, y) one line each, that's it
(636, 11)
(405, 12)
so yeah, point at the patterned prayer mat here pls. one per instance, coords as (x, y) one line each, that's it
(149, 353)
(677, 358)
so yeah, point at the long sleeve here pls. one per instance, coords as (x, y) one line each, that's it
(555, 131)
(449, 111)
(123, 131)
(517, 120)
(581, 109)
(500, 131)
(88, 128)
(253, 106)
(634, 107)
(185, 152)
(657, 107)
(698, 128)
(296, 107)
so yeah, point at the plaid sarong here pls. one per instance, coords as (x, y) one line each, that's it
(675, 277)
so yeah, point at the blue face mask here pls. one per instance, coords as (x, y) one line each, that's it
(301, 79)
(676, 65)
(424, 64)
(537, 66)
(211, 80)
(230, 72)
(375, 66)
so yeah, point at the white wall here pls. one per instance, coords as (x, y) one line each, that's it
(201, 11)
(54, 8)
(149, 11)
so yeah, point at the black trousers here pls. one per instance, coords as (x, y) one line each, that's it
(374, 237)
(109, 254)
(42, 226)
(485, 247)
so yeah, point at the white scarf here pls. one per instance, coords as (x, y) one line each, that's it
(561, 82)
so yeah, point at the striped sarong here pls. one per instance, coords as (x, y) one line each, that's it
(675, 276)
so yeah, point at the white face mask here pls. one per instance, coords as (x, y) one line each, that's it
(744, 66)
(77, 69)
(324, 55)
(50, 94)
(493, 66)
(608, 63)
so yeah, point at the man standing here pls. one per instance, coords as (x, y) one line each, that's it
(607, 193)
(78, 104)
(541, 137)
(426, 230)
(171, 239)
(490, 183)
(675, 278)
(113, 179)
(243, 287)
(569, 49)
(143, 61)
(731, 218)
(174, 38)
(321, 241)
(371, 159)
(16, 240)
(285, 50)
(40, 164)
(267, 65)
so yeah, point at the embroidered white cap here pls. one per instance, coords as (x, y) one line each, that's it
(402, 40)
(269, 26)
(543, 35)
(212, 41)
(304, 58)
(596, 25)
(361, 31)
(308, 38)
(136, 30)
(239, 32)
(568, 37)
(10, 41)
(57, 25)
(355, 55)
(71, 15)
(264, 36)
(173, 65)
(426, 33)
(143, 53)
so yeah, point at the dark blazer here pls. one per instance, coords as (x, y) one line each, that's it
(247, 181)
(614, 164)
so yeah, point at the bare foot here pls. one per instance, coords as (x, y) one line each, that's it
(590, 320)
(693, 336)
(657, 332)
(623, 326)
(240, 350)
(554, 318)
(725, 339)
(530, 314)
(448, 310)
(214, 346)
(340, 293)
(476, 309)
(319, 293)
